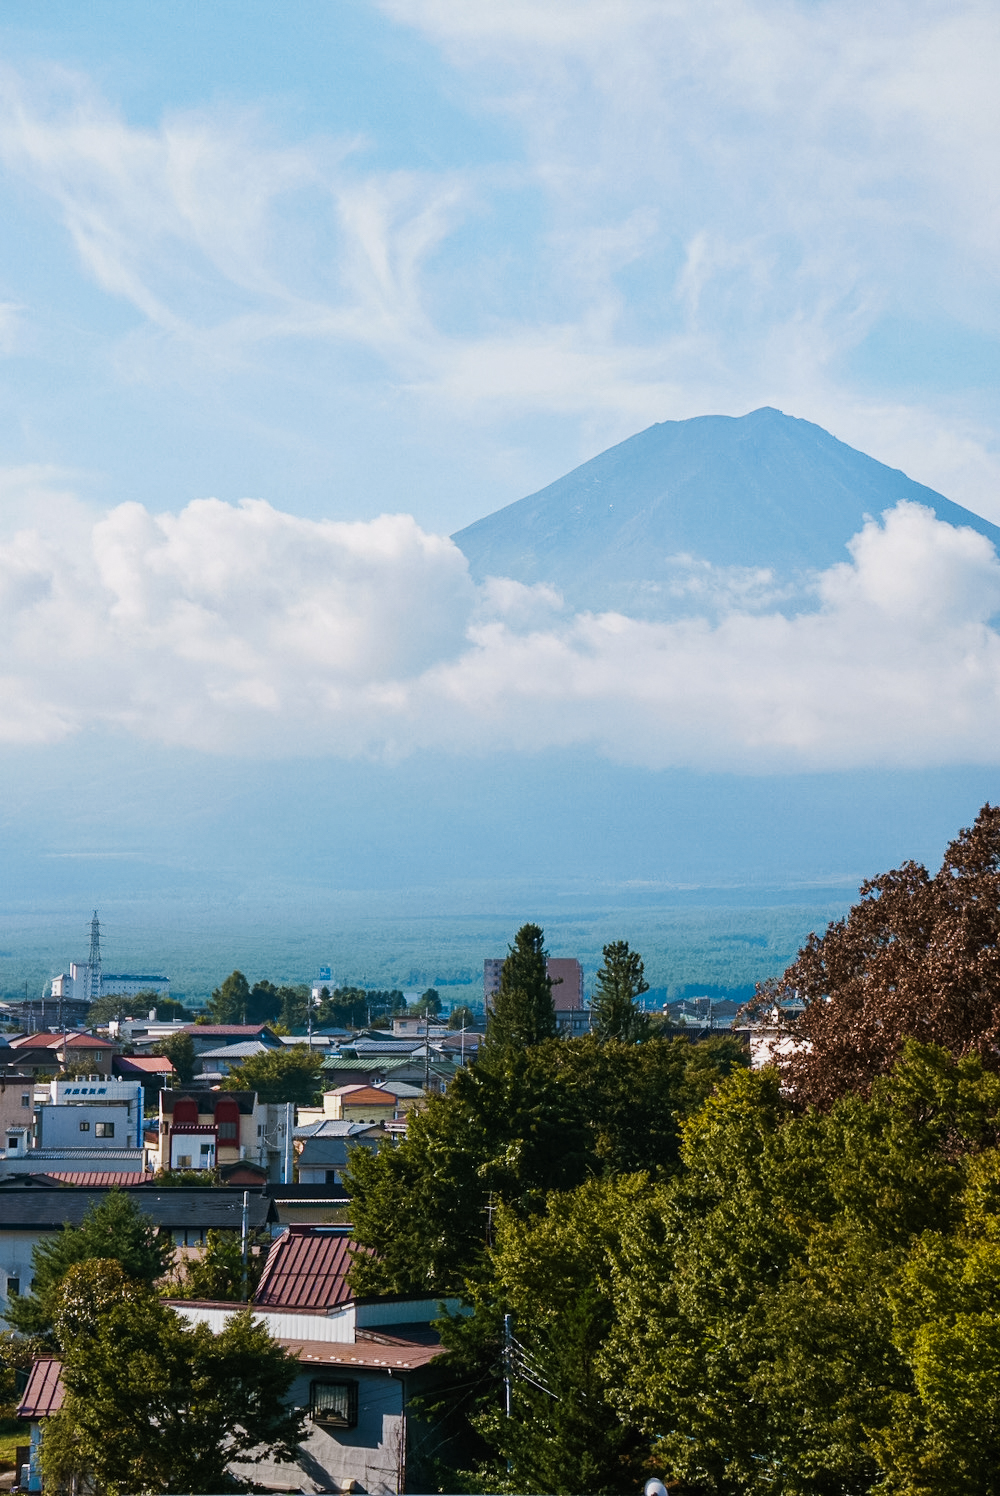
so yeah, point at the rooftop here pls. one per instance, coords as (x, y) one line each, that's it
(43, 1395)
(307, 1269)
(241, 1051)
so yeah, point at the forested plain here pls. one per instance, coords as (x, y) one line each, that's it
(783, 1281)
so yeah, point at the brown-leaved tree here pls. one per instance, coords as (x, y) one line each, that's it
(917, 957)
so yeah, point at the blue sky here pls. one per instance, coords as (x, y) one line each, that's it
(427, 256)
(289, 293)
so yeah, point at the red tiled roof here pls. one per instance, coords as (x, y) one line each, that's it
(306, 1269)
(373, 1357)
(154, 1064)
(44, 1393)
(56, 1041)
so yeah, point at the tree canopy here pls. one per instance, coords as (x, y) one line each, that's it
(290, 1073)
(115, 1228)
(230, 1002)
(179, 1050)
(546, 1118)
(154, 1405)
(917, 957)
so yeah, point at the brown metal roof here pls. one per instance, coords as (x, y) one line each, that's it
(44, 1393)
(365, 1096)
(307, 1269)
(209, 1030)
(362, 1356)
(99, 1178)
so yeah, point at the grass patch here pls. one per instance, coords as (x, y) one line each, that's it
(13, 1431)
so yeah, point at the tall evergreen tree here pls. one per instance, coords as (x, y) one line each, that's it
(229, 1003)
(523, 1012)
(619, 982)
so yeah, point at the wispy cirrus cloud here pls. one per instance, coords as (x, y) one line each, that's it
(243, 630)
(697, 208)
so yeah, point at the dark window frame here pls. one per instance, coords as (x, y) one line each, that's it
(323, 1405)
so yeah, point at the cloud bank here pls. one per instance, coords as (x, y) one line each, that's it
(240, 629)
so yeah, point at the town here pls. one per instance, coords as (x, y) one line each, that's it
(424, 1253)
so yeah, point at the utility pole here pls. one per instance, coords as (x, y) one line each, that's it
(244, 1241)
(508, 1356)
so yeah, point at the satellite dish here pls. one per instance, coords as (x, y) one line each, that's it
(655, 1487)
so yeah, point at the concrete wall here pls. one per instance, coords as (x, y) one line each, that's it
(370, 1454)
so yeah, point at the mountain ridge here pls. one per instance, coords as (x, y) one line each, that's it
(646, 524)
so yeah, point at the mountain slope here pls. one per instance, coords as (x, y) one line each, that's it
(634, 527)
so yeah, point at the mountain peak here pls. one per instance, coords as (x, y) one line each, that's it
(760, 493)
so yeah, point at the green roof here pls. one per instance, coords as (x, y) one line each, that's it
(367, 1062)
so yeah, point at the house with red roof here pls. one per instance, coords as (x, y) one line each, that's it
(47, 1054)
(362, 1362)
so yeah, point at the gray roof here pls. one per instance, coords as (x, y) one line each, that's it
(330, 1127)
(173, 1209)
(236, 1051)
(331, 1153)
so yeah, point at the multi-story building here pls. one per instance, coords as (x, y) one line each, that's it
(205, 1129)
(564, 972)
(90, 1111)
(83, 984)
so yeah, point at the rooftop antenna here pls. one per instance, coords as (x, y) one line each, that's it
(94, 960)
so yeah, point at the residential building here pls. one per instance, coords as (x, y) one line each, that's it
(17, 1112)
(572, 1022)
(47, 1054)
(202, 1129)
(322, 1148)
(89, 1111)
(362, 1104)
(30, 1214)
(362, 1362)
(215, 1064)
(341, 1102)
(214, 1035)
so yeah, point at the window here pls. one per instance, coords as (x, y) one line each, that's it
(228, 1132)
(84, 1126)
(184, 1160)
(104, 1130)
(25, 1099)
(206, 1148)
(12, 1142)
(13, 1287)
(334, 1404)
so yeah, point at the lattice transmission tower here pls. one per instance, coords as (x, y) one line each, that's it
(94, 960)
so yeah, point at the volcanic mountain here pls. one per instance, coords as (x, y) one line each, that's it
(718, 509)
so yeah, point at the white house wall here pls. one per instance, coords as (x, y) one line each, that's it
(335, 1329)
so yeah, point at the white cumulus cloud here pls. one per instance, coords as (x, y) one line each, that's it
(241, 629)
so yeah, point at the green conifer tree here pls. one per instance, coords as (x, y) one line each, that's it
(523, 1012)
(619, 982)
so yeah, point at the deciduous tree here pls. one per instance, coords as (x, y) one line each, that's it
(917, 957)
(154, 1405)
(288, 1074)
